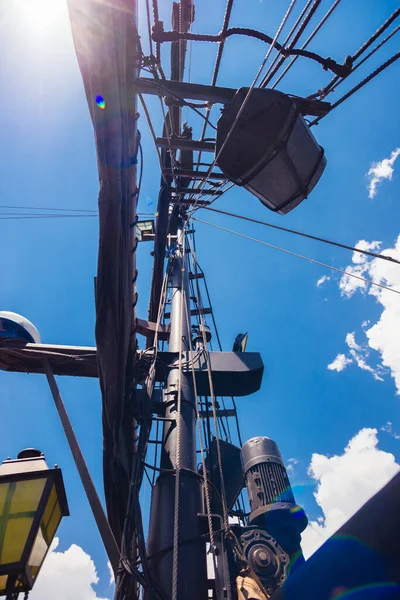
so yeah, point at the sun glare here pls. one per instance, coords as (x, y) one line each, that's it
(42, 16)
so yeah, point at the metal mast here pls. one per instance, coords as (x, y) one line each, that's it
(177, 495)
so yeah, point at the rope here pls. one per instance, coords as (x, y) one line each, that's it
(153, 135)
(184, 102)
(159, 35)
(377, 33)
(363, 48)
(214, 409)
(355, 67)
(360, 85)
(149, 27)
(279, 57)
(101, 520)
(306, 235)
(156, 19)
(175, 552)
(153, 478)
(309, 39)
(202, 454)
(244, 103)
(299, 256)
(39, 216)
(197, 266)
(168, 133)
(48, 208)
(225, 24)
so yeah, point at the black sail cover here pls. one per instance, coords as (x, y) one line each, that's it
(105, 39)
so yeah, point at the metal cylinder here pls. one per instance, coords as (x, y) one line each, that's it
(267, 481)
(192, 575)
(271, 498)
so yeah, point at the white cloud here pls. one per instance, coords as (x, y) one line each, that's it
(112, 577)
(348, 284)
(66, 572)
(291, 463)
(322, 280)
(360, 354)
(345, 483)
(340, 363)
(381, 170)
(382, 335)
(351, 341)
(389, 429)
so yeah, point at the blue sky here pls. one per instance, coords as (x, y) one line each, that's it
(48, 160)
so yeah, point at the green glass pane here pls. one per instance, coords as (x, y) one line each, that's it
(51, 503)
(38, 553)
(48, 527)
(19, 503)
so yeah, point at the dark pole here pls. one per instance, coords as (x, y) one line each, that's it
(10, 589)
(192, 577)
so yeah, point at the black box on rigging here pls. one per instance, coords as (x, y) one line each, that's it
(270, 150)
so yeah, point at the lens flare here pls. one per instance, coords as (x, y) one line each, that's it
(101, 103)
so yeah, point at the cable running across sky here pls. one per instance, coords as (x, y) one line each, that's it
(317, 262)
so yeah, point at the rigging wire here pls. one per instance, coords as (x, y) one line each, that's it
(317, 262)
(154, 136)
(225, 515)
(355, 67)
(149, 27)
(48, 208)
(362, 49)
(202, 450)
(193, 254)
(309, 39)
(175, 550)
(221, 45)
(173, 36)
(41, 216)
(306, 235)
(360, 85)
(184, 102)
(202, 183)
(377, 33)
(278, 56)
(224, 424)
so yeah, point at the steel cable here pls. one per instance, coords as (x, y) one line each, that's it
(363, 48)
(197, 266)
(306, 235)
(279, 57)
(241, 109)
(356, 66)
(203, 459)
(317, 262)
(309, 39)
(214, 410)
(175, 551)
(360, 85)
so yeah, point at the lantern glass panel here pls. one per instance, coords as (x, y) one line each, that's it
(19, 502)
(48, 527)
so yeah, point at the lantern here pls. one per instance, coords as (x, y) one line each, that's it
(145, 230)
(14, 326)
(32, 503)
(268, 148)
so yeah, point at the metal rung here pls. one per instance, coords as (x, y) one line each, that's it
(194, 313)
(196, 275)
(223, 412)
(185, 144)
(187, 174)
(203, 191)
(196, 202)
